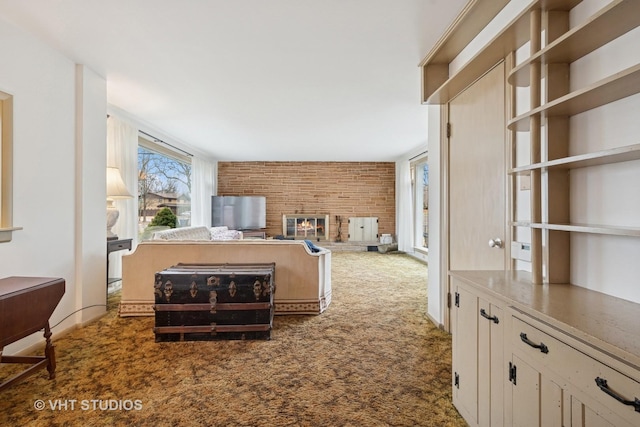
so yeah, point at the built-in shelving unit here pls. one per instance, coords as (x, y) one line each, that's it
(554, 46)
(490, 310)
(547, 70)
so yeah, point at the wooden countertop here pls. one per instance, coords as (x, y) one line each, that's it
(605, 322)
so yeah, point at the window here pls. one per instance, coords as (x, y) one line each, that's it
(164, 181)
(425, 205)
(6, 164)
(420, 189)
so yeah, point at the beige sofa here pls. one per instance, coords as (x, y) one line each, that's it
(302, 277)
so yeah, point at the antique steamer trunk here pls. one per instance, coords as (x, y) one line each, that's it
(214, 302)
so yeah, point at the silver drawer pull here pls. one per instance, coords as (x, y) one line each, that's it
(543, 348)
(602, 384)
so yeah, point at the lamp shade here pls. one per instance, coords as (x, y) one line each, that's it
(115, 185)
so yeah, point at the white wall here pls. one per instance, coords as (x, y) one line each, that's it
(91, 159)
(46, 199)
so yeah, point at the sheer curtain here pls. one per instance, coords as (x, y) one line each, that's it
(404, 206)
(203, 186)
(122, 153)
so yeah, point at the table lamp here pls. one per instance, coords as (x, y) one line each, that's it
(116, 189)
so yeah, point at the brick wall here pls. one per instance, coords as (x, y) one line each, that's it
(346, 189)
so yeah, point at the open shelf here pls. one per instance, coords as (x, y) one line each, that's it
(583, 39)
(6, 233)
(617, 86)
(614, 155)
(582, 228)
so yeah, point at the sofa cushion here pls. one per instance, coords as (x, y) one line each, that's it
(223, 233)
(184, 233)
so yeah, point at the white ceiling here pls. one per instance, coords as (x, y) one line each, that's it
(256, 79)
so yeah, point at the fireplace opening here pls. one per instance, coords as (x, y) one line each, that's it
(301, 226)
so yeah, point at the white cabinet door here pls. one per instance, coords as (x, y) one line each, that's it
(465, 354)
(491, 367)
(478, 355)
(526, 394)
(363, 229)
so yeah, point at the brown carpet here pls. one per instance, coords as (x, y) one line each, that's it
(372, 359)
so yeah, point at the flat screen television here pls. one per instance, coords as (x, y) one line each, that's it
(239, 212)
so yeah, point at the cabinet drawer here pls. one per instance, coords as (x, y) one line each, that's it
(580, 370)
(538, 346)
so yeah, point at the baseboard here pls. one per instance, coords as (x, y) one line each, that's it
(435, 322)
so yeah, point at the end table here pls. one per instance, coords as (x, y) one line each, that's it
(113, 246)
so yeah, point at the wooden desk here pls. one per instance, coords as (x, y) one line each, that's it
(26, 304)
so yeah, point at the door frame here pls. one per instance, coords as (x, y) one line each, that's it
(509, 138)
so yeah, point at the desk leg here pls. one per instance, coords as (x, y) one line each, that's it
(36, 362)
(49, 353)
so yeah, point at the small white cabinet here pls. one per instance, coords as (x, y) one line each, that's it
(363, 229)
(478, 354)
(465, 352)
